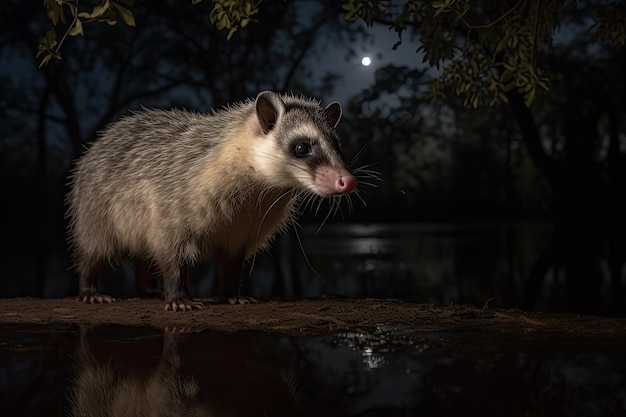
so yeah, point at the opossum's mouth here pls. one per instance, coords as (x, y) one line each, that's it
(329, 181)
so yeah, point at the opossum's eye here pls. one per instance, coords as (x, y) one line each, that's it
(302, 149)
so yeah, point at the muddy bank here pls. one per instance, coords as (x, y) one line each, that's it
(317, 317)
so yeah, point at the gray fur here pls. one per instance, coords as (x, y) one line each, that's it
(177, 187)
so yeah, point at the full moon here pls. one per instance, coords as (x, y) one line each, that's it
(366, 61)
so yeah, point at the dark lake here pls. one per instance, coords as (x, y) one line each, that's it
(529, 265)
(123, 371)
(532, 265)
(67, 370)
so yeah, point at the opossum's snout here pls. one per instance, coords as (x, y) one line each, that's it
(346, 183)
(330, 181)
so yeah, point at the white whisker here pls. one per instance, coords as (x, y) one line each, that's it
(258, 232)
(359, 153)
(371, 184)
(358, 194)
(306, 258)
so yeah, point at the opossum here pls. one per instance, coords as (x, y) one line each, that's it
(178, 188)
(184, 374)
(105, 387)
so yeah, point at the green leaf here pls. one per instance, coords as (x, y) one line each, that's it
(501, 44)
(55, 12)
(126, 15)
(45, 60)
(100, 9)
(442, 6)
(351, 15)
(77, 29)
(47, 47)
(348, 6)
(51, 37)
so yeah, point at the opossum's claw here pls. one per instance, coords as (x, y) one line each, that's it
(240, 299)
(183, 304)
(177, 330)
(95, 298)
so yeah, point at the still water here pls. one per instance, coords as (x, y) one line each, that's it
(528, 265)
(67, 370)
(123, 371)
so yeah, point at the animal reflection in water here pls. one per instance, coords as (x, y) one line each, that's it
(218, 376)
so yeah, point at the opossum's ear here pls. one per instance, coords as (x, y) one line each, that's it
(333, 113)
(269, 110)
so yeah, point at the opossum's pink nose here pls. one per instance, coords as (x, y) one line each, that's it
(329, 181)
(346, 183)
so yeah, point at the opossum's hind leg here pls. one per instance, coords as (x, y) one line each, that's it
(175, 289)
(146, 274)
(228, 269)
(88, 273)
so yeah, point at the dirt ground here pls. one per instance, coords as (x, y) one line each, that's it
(315, 317)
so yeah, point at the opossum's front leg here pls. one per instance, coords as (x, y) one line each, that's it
(228, 267)
(87, 291)
(175, 290)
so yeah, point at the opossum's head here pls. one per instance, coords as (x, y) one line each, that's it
(298, 145)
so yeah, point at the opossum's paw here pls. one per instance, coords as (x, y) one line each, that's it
(183, 304)
(95, 298)
(175, 330)
(240, 299)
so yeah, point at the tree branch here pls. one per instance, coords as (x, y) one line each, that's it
(544, 163)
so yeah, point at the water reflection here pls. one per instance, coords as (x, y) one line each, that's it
(116, 385)
(200, 374)
(123, 371)
(529, 265)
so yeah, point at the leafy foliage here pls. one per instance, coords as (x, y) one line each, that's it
(365, 10)
(482, 50)
(107, 11)
(230, 14)
(610, 24)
